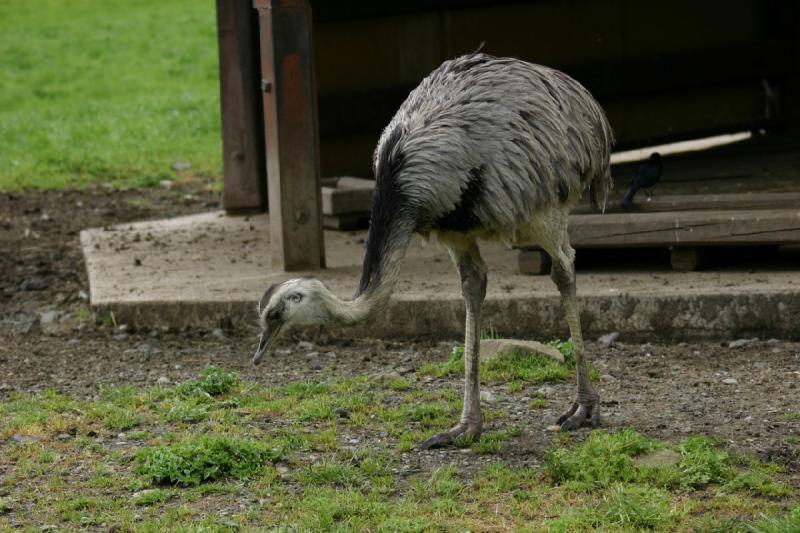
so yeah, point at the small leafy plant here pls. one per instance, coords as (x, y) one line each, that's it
(213, 382)
(203, 459)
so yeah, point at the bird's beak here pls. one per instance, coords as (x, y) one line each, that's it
(264, 342)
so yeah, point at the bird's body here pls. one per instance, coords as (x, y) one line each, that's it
(485, 147)
(646, 176)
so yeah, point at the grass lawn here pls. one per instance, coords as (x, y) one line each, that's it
(108, 91)
(219, 454)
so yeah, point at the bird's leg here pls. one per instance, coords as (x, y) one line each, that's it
(586, 407)
(473, 287)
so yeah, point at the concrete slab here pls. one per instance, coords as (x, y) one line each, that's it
(210, 269)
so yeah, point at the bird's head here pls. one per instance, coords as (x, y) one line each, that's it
(296, 302)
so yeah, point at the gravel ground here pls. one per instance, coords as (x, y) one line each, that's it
(740, 390)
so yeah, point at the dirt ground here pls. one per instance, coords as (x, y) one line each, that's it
(49, 339)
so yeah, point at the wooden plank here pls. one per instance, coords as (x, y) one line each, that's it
(688, 228)
(243, 160)
(700, 202)
(292, 139)
(339, 201)
(346, 221)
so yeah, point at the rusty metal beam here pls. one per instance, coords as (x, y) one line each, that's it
(244, 164)
(292, 138)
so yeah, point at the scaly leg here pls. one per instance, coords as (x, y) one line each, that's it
(473, 287)
(586, 407)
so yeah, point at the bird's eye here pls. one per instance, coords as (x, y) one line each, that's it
(295, 298)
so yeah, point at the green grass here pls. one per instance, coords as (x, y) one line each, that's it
(107, 91)
(513, 367)
(204, 459)
(281, 458)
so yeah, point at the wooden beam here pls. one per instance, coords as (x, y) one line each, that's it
(686, 228)
(292, 138)
(699, 202)
(243, 162)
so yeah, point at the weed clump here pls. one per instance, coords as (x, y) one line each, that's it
(512, 367)
(606, 458)
(213, 382)
(603, 459)
(204, 459)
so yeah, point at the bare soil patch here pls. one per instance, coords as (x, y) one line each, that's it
(49, 339)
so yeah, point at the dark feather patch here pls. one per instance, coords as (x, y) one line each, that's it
(388, 202)
(463, 217)
(266, 297)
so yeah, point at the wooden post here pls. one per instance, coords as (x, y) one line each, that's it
(292, 138)
(244, 164)
(533, 262)
(687, 259)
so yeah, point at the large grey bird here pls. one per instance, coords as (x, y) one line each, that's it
(484, 148)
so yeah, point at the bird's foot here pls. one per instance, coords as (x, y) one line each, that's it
(464, 430)
(583, 412)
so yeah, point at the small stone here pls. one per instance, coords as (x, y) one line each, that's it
(181, 165)
(773, 341)
(730, 381)
(553, 428)
(217, 333)
(659, 458)
(609, 338)
(314, 364)
(24, 439)
(120, 337)
(353, 441)
(312, 355)
(35, 283)
(487, 396)
(145, 348)
(496, 347)
(64, 436)
(608, 378)
(163, 380)
(739, 343)
(82, 295)
(165, 184)
(305, 345)
(47, 317)
(545, 391)
(73, 342)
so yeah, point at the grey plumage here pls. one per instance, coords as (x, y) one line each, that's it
(481, 146)
(485, 147)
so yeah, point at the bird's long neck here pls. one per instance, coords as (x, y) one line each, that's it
(378, 279)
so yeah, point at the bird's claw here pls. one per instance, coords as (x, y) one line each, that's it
(463, 430)
(581, 413)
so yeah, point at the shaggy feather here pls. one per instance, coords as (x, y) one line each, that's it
(531, 136)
